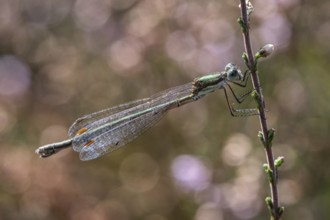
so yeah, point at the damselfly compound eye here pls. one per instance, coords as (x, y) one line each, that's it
(233, 72)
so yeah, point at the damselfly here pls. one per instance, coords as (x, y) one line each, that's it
(102, 132)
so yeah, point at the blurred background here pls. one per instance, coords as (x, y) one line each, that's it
(61, 59)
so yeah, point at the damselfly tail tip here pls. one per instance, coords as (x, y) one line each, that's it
(50, 149)
(40, 153)
(44, 152)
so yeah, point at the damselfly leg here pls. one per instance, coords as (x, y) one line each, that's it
(239, 99)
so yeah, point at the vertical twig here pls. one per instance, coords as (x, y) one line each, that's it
(265, 133)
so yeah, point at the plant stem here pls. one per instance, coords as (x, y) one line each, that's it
(261, 108)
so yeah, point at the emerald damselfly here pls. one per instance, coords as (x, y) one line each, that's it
(102, 132)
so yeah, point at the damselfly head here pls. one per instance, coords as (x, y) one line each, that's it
(233, 73)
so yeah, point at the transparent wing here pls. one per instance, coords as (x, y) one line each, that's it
(141, 116)
(97, 119)
(119, 136)
(88, 121)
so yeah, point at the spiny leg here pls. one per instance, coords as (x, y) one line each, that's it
(245, 79)
(241, 98)
(239, 112)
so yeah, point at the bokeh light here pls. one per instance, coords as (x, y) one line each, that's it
(14, 77)
(190, 173)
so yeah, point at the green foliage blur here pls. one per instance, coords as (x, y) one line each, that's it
(62, 59)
